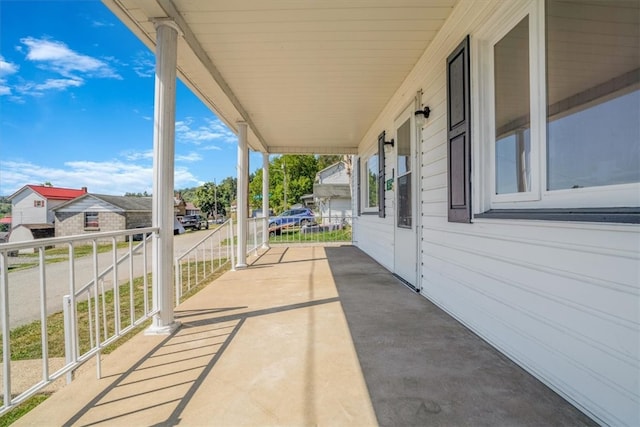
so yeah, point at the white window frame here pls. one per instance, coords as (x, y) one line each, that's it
(365, 185)
(483, 123)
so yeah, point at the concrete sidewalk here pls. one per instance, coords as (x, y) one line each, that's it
(308, 336)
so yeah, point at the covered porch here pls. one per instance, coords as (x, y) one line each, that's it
(308, 335)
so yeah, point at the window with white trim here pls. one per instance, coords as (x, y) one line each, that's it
(559, 101)
(370, 187)
(38, 203)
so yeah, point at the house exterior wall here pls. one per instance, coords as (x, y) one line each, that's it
(72, 223)
(70, 219)
(559, 298)
(335, 175)
(52, 204)
(24, 212)
(138, 219)
(333, 209)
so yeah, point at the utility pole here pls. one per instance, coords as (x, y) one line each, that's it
(215, 199)
(284, 168)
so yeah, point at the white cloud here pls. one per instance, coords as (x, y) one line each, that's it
(58, 57)
(58, 84)
(7, 68)
(191, 157)
(144, 64)
(211, 147)
(138, 155)
(99, 24)
(66, 67)
(108, 177)
(212, 130)
(4, 89)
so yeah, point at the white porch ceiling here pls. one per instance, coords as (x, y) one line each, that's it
(309, 76)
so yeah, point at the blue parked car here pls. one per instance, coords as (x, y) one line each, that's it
(299, 217)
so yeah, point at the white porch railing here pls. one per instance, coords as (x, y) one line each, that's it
(327, 229)
(204, 258)
(110, 301)
(107, 293)
(255, 234)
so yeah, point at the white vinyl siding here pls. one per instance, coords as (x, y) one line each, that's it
(559, 298)
(24, 211)
(90, 204)
(375, 236)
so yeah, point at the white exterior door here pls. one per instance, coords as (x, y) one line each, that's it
(405, 235)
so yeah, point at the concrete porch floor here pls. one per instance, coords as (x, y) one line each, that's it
(308, 336)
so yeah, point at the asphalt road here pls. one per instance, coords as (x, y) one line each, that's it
(25, 293)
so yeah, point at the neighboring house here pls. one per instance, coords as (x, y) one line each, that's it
(34, 204)
(308, 201)
(191, 209)
(28, 232)
(179, 206)
(332, 192)
(97, 212)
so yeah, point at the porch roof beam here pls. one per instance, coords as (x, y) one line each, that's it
(200, 53)
(315, 149)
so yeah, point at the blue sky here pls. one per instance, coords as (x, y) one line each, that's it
(76, 105)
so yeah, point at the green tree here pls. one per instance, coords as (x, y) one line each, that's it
(206, 198)
(290, 175)
(5, 207)
(227, 191)
(255, 190)
(325, 161)
(188, 194)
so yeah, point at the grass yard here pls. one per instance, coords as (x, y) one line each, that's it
(294, 235)
(61, 254)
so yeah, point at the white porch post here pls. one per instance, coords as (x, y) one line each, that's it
(241, 199)
(163, 168)
(265, 200)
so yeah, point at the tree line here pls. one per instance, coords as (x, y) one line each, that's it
(290, 177)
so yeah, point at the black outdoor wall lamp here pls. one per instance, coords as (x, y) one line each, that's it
(425, 112)
(382, 140)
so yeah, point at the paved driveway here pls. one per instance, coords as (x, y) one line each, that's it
(24, 290)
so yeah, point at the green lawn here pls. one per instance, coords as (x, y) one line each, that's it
(294, 235)
(61, 254)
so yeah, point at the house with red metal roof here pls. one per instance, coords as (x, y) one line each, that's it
(33, 204)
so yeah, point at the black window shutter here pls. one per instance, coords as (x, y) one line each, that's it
(381, 174)
(358, 185)
(459, 134)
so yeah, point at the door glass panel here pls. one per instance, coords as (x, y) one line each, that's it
(511, 77)
(404, 201)
(404, 175)
(404, 148)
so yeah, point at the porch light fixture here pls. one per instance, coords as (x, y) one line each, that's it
(422, 115)
(382, 137)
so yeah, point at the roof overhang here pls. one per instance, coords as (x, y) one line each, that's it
(307, 76)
